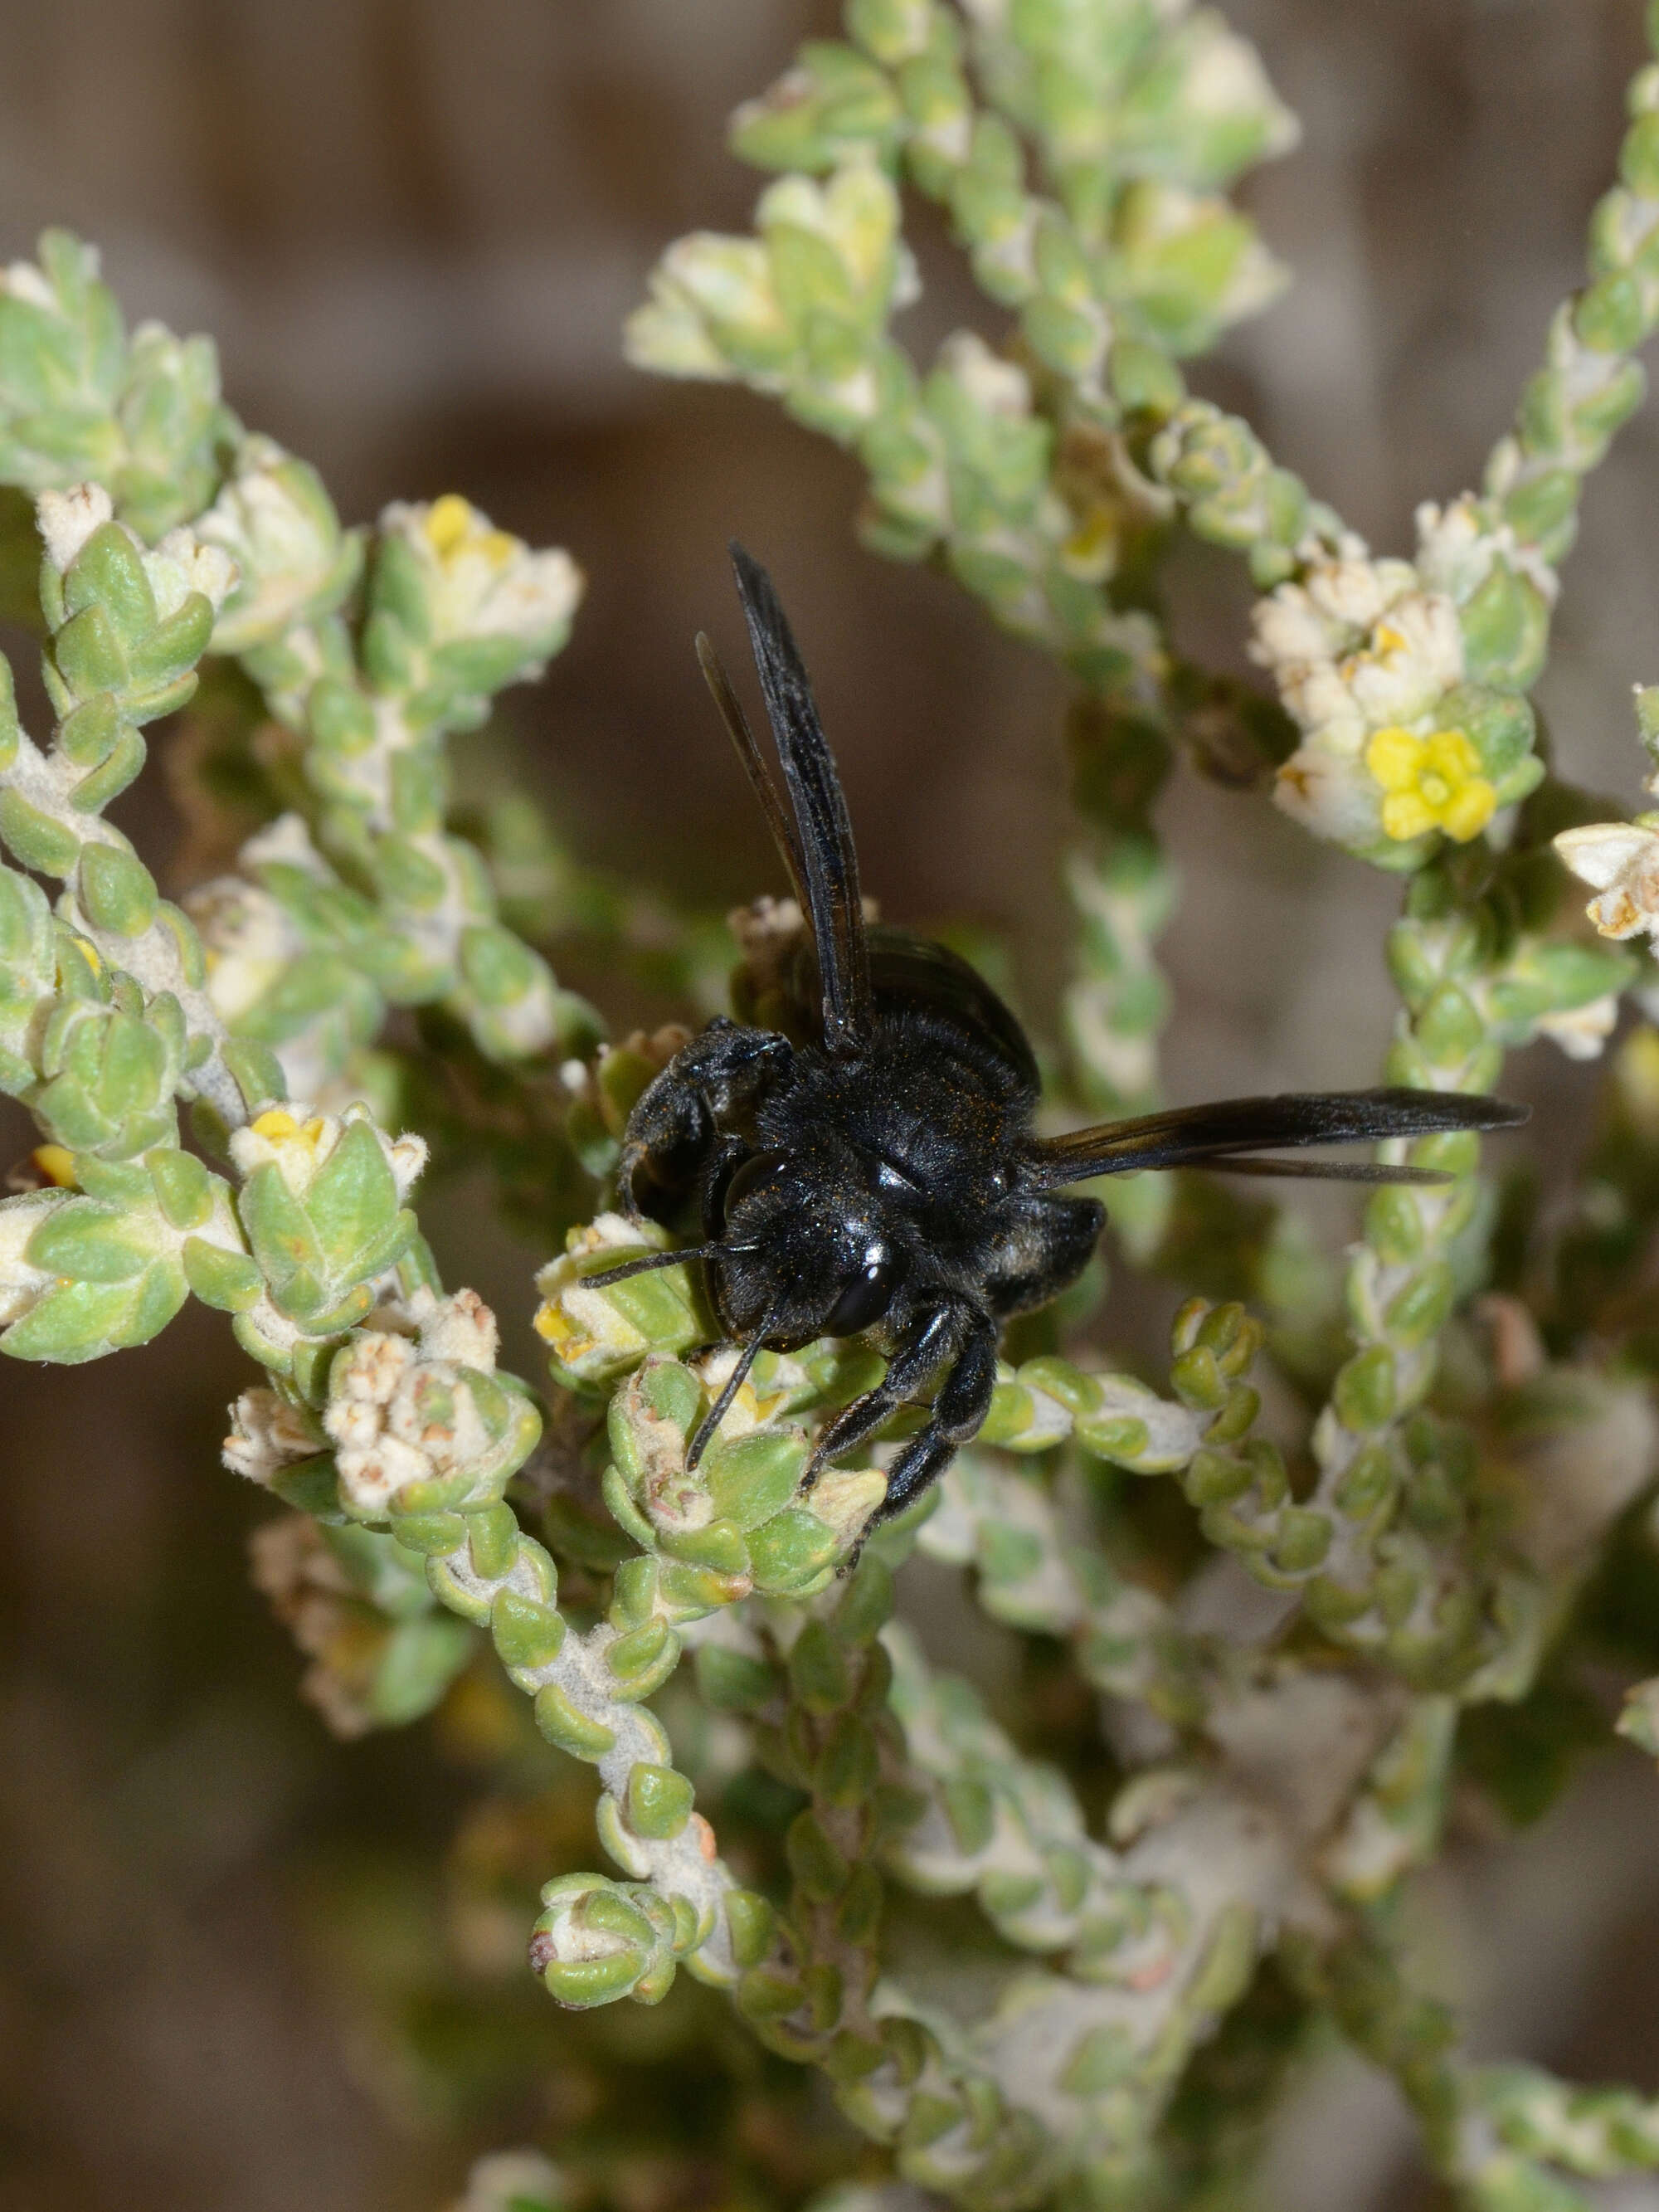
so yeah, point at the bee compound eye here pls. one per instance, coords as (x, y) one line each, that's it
(864, 1297)
(750, 1174)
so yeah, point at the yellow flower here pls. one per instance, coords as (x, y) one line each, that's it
(300, 1149)
(477, 581)
(1433, 783)
(455, 527)
(278, 1126)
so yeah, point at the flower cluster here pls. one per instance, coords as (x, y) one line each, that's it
(1397, 748)
(479, 583)
(294, 562)
(427, 1411)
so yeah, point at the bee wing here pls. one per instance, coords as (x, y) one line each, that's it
(829, 868)
(761, 780)
(1326, 1170)
(1221, 1135)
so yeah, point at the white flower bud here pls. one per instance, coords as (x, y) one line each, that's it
(1619, 860)
(1288, 627)
(998, 386)
(1315, 697)
(248, 939)
(1582, 1032)
(274, 518)
(513, 2181)
(26, 283)
(1330, 793)
(267, 1433)
(1415, 653)
(381, 1419)
(1455, 550)
(1458, 545)
(67, 519)
(182, 564)
(462, 1329)
(1350, 592)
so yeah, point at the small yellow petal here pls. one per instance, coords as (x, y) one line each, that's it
(549, 1321)
(276, 1123)
(1395, 758)
(1387, 639)
(1451, 753)
(1406, 815)
(57, 1163)
(448, 521)
(1469, 809)
(498, 547)
(1091, 549)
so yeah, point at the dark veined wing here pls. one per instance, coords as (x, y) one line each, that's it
(1223, 1136)
(761, 780)
(1324, 1170)
(824, 846)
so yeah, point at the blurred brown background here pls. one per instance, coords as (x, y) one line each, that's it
(415, 231)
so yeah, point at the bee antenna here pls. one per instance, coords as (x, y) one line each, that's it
(652, 1259)
(734, 1382)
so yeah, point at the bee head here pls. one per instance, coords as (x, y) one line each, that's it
(809, 1248)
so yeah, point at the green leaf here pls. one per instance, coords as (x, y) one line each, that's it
(91, 1242)
(90, 654)
(230, 1281)
(173, 647)
(84, 1321)
(753, 1479)
(256, 1070)
(659, 1801)
(183, 1186)
(37, 841)
(277, 1229)
(90, 733)
(116, 890)
(792, 1549)
(122, 763)
(422, 1658)
(107, 578)
(730, 1681)
(831, 104)
(353, 1205)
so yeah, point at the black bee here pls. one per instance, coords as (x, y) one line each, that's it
(877, 1170)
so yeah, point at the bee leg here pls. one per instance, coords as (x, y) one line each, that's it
(958, 1414)
(677, 1115)
(957, 1333)
(934, 1337)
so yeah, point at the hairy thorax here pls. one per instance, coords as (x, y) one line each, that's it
(934, 1111)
